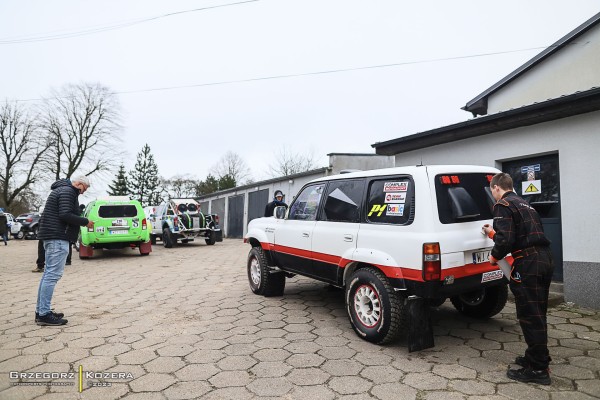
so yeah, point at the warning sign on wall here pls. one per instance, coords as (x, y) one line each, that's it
(531, 187)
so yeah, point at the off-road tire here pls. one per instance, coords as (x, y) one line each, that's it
(168, 239)
(367, 291)
(492, 302)
(153, 239)
(211, 239)
(20, 235)
(262, 280)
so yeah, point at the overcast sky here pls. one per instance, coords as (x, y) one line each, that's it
(446, 46)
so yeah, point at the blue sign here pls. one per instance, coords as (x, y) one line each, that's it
(528, 168)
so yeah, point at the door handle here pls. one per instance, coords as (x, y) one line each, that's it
(348, 238)
(305, 234)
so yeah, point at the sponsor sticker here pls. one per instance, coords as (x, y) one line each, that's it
(395, 187)
(100, 229)
(135, 222)
(491, 276)
(395, 210)
(395, 197)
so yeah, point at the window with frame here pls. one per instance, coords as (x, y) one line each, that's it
(306, 205)
(343, 201)
(391, 201)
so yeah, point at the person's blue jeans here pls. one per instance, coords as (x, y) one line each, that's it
(56, 256)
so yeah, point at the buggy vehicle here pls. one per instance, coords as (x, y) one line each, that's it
(182, 219)
(118, 223)
(398, 240)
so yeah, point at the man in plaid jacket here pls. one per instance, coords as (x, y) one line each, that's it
(518, 230)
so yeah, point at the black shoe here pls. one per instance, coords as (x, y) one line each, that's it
(38, 270)
(50, 320)
(521, 361)
(528, 375)
(68, 263)
(56, 314)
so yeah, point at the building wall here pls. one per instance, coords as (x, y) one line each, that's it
(339, 162)
(576, 140)
(571, 69)
(290, 188)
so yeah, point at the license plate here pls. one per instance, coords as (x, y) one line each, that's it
(481, 256)
(119, 232)
(119, 222)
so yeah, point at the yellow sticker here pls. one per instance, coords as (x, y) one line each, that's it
(379, 209)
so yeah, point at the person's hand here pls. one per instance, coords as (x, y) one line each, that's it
(487, 229)
(90, 224)
(493, 260)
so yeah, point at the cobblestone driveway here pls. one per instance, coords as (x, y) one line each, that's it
(184, 324)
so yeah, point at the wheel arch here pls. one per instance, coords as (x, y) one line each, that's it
(354, 266)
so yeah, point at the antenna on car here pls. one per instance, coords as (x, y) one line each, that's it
(421, 164)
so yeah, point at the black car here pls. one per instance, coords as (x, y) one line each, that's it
(30, 224)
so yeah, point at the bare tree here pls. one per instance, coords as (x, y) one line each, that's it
(180, 186)
(233, 166)
(83, 124)
(22, 148)
(288, 162)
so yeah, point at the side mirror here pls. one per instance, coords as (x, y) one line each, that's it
(280, 212)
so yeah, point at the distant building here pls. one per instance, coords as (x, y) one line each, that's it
(541, 124)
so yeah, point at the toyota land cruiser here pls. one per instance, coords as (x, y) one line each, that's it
(387, 236)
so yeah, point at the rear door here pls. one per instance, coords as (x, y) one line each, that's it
(336, 231)
(293, 235)
(120, 220)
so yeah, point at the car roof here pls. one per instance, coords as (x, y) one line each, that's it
(412, 170)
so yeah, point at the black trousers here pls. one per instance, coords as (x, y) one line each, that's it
(530, 283)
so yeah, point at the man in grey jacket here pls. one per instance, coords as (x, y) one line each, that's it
(59, 227)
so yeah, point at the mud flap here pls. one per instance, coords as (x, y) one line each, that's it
(420, 330)
(145, 248)
(85, 251)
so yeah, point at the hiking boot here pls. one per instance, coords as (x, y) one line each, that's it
(38, 270)
(50, 320)
(68, 263)
(56, 314)
(521, 361)
(529, 375)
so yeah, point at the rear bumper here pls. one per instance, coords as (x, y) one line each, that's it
(440, 289)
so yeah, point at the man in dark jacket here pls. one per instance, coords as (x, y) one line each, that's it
(518, 230)
(277, 201)
(59, 227)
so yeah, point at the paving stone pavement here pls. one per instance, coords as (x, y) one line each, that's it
(183, 324)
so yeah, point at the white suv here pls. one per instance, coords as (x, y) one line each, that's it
(386, 236)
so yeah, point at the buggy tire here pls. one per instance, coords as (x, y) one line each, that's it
(375, 310)
(168, 239)
(262, 280)
(484, 304)
(211, 239)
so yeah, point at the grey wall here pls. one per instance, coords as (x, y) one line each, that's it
(363, 162)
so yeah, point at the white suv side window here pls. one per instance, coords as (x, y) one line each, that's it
(343, 201)
(306, 205)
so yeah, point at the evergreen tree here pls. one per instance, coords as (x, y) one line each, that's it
(144, 180)
(119, 187)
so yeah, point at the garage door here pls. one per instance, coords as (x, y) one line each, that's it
(256, 203)
(235, 216)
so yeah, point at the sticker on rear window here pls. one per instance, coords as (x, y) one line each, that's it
(395, 198)
(396, 210)
(395, 187)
